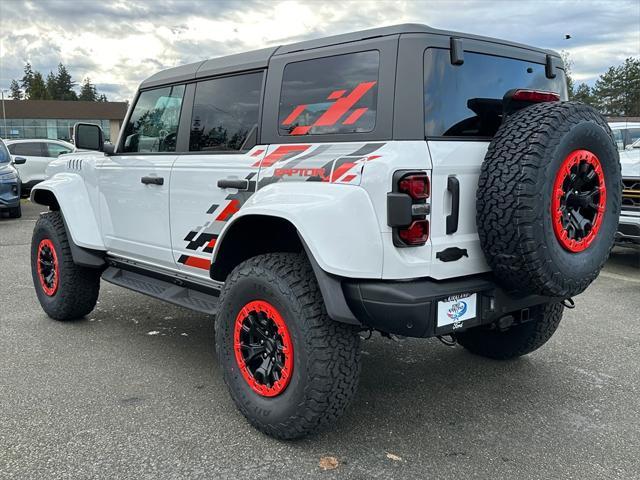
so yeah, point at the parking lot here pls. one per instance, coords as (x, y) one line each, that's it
(134, 391)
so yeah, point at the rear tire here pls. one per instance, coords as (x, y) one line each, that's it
(65, 290)
(278, 294)
(518, 340)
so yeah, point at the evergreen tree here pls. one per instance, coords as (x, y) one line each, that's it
(27, 80)
(617, 91)
(52, 86)
(583, 94)
(65, 84)
(88, 91)
(38, 89)
(102, 98)
(16, 93)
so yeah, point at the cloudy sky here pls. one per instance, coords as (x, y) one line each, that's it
(118, 43)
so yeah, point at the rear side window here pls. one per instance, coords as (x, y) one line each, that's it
(27, 149)
(153, 126)
(225, 110)
(54, 150)
(336, 94)
(466, 100)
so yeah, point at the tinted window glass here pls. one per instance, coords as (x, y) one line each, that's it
(465, 100)
(633, 134)
(153, 125)
(330, 95)
(54, 149)
(4, 154)
(27, 149)
(225, 110)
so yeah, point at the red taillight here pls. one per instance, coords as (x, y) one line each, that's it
(415, 234)
(416, 186)
(536, 96)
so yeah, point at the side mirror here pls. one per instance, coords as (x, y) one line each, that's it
(19, 160)
(88, 136)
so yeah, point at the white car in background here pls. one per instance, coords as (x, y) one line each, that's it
(629, 227)
(38, 153)
(625, 133)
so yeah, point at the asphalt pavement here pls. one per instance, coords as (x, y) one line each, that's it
(134, 391)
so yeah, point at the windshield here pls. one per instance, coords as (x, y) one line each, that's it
(4, 153)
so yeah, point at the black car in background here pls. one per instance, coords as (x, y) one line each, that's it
(9, 183)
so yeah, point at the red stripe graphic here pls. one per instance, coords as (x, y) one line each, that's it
(342, 105)
(348, 178)
(211, 243)
(341, 170)
(336, 94)
(300, 130)
(257, 152)
(230, 209)
(353, 118)
(280, 152)
(293, 115)
(198, 262)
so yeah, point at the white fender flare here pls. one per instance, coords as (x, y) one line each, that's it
(337, 223)
(71, 195)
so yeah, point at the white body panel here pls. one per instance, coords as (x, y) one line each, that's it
(199, 208)
(74, 182)
(462, 160)
(134, 217)
(337, 222)
(334, 194)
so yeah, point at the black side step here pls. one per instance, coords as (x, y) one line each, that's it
(163, 290)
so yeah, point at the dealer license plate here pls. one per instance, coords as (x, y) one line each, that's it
(456, 309)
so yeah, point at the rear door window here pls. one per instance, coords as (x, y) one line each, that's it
(153, 126)
(27, 149)
(54, 150)
(337, 94)
(225, 111)
(466, 100)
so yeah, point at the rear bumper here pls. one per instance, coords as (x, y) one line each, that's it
(628, 228)
(409, 308)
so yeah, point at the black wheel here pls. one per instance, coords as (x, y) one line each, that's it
(15, 212)
(548, 199)
(491, 342)
(65, 290)
(290, 369)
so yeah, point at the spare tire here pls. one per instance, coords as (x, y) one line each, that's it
(548, 199)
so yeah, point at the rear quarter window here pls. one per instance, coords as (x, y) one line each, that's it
(337, 94)
(466, 100)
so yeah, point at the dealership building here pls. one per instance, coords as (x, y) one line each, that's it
(55, 119)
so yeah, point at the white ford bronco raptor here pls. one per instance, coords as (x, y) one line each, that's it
(408, 180)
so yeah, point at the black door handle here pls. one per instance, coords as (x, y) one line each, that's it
(152, 180)
(234, 183)
(453, 185)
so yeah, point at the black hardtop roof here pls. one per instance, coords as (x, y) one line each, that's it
(256, 59)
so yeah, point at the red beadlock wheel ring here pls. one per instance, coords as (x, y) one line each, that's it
(48, 271)
(263, 348)
(579, 200)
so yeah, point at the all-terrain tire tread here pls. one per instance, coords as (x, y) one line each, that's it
(508, 204)
(333, 368)
(79, 288)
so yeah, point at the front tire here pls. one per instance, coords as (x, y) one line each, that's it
(304, 373)
(491, 342)
(15, 212)
(65, 290)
